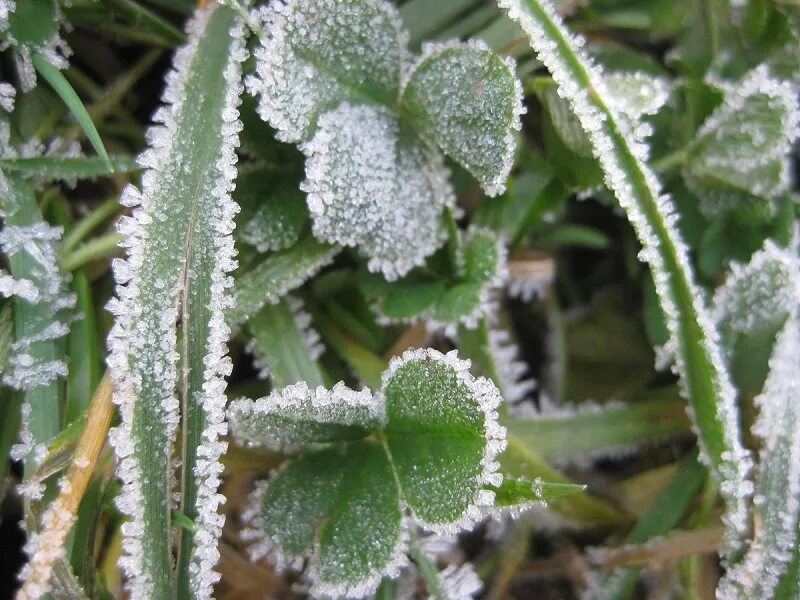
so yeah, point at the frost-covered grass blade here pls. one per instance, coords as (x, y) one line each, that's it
(179, 251)
(693, 336)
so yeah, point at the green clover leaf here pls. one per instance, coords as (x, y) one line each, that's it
(422, 450)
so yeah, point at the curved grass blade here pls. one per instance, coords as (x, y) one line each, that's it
(62, 87)
(622, 156)
(185, 205)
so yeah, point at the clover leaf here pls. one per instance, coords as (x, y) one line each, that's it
(347, 507)
(740, 158)
(337, 78)
(469, 101)
(463, 299)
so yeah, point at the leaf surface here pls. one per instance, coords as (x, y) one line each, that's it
(308, 62)
(468, 100)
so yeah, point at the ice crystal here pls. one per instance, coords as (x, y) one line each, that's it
(529, 279)
(6, 8)
(308, 62)
(636, 94)
(371, 185)
(46, 547)
(7, 94)
(156, 277)
(458, 582)
(511, 370)
(297, 416)
(43, 39)
(43, 286)
(761, 293)
(777, 498)
(21, 288)
(653, 217)
(469, 101)
(743, 149)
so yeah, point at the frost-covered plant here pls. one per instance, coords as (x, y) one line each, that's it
(180, 250)
(622, 155)
(421, 450)
(375, 193)
(373, 122)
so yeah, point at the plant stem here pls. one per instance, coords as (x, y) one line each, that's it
(99, 247)
(83, 227)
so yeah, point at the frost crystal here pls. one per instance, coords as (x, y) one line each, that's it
(43, 288)
(7, 94)
(371, 185)
(511, 369)
(458, 582)
(653, 216)
(761, 293)
(6, 8)
(297, 416)
(21, 288)
(47, 547)
(308, 62)
(469, 101)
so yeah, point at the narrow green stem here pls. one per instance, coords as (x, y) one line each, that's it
(673, 160)
(86, 225)
(99, 247)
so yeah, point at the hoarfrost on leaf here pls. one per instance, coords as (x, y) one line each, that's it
(373, 185)
(468, 101)
(740, 157)
(427, 395)
(315, 55)
(278, 221)
(432, 454)
(762, 293)
(481, 271)
(777, 489)
(297, 417)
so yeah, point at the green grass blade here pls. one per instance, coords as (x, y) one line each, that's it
(56, 168)
(623, 158)
(286, 344)
(424, 18)
(278, 275)
(777, 478)
(185, 204)
(37, 360)
(604, 430)
(665, 513)
(10, 400)
(62, 87)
